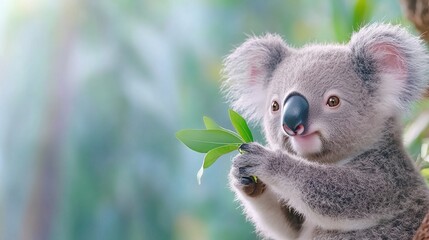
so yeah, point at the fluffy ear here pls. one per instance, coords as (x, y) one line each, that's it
(248, 70)
(391, 61)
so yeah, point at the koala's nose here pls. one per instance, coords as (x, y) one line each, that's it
(295, 114)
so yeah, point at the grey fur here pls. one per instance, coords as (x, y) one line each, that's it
(355, 180)
(258, 54)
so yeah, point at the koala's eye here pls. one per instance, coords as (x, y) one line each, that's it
(275, 106)
(333, 101)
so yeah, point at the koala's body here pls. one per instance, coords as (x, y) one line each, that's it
(335, 166)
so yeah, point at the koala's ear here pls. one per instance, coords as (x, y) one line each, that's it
(248, 71)
(392, 61)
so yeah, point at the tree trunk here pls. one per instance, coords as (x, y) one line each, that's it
(43, 205)
(417, 11)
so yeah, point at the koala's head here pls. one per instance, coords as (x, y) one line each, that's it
(326, 102)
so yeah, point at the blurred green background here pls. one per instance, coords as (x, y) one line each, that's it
(92, 93)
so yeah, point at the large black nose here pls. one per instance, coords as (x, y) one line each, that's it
(295, 114)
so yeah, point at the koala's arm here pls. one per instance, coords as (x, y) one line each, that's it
(272, 217)
(336, 197)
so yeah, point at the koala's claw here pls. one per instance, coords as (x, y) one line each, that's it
(246, 180)
(254, 189)
(252, 163)
(242, 148)
(249, 167)
(250, 148)
(243, 168)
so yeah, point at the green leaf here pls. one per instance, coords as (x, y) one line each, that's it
(205, 140)
(214, 154)
(210, 123)
(216, 140)
(240, 126)
(425, 174)
(341, 21)
(255, 179)
(200, 174)
(361, 12)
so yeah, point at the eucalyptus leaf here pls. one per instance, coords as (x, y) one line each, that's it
(210, 123)
(341, 21)
(205, 140)
(216, 140)
(213, 155)
(200, 174)
(361, 12)
(240, 126)
(425, 174)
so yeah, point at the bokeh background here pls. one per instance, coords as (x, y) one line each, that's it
(92, 93)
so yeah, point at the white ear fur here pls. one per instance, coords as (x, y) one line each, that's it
(248, 70)
(393, 72)
(399, 59)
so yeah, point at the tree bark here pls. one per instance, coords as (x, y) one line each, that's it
(423, 231)
(417, 11)
(43, 206)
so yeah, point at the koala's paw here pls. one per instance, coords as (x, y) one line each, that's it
(250, 163)
(251, 187)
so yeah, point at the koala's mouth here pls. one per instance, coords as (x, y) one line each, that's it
(307, 136)
(307, 144)
(317, 152)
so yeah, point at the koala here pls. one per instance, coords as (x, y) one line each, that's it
(334, 166)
